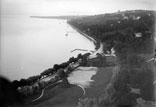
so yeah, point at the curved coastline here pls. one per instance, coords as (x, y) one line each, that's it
(96, 43)
(85, 35)
(97, 49)
(44, 76)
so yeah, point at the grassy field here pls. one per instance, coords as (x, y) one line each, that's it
(101, 79)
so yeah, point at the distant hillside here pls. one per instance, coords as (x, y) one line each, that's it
(120, 15)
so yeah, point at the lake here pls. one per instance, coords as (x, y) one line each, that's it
(31, 45)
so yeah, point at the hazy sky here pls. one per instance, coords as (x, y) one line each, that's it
(69, 7)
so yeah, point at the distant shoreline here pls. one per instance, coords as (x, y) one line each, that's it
(67, 17)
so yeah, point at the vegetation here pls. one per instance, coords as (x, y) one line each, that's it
(131, 34)
(120, 29)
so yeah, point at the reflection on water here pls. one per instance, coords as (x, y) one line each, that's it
(31, 45)
(82, 76)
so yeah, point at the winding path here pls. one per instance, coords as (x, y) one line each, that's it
(43, 90)
(84, 92)
(152, 59)
(39, 96)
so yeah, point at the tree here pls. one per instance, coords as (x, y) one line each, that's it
(79, 56)
(56, 67)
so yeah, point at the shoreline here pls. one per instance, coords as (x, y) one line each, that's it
(96, 43)
(40, 77)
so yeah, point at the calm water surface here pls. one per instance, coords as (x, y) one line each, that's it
(31, 45)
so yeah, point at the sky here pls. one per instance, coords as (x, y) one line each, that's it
(71, 7)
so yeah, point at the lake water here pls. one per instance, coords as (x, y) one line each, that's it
(28, 46)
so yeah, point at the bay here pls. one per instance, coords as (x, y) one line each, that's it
(28, 46)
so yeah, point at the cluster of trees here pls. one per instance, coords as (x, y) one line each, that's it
(31, 80)
(109, 22)
(24, 82)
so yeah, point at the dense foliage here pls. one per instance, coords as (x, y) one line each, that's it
(131, 34)
(31, 80)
